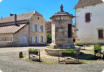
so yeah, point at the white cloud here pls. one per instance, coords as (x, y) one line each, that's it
(0, 0)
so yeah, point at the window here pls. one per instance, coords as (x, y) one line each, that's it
(69, 30)
(38, 18)
(38, 28)
(88, 17)
(100, 34)
(33, 40)
(37, 39)
(42, 28)
(42, 39)
(35, 28)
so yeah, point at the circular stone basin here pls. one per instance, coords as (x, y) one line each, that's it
(54, 52)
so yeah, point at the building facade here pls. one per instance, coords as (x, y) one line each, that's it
(32, 33)
(89, 21)
(48, 27)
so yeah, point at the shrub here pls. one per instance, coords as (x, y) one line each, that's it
(49, 38)
(97, 47)
(79, 43)
(35, 51)
(69, 52)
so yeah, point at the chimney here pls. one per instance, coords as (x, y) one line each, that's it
(11, 14)
(15, 20)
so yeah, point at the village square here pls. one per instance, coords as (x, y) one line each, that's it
(30, 43)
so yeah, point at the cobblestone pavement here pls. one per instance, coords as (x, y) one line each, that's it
(9, 62)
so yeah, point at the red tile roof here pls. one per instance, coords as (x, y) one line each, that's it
(20, 17)
(11, 29)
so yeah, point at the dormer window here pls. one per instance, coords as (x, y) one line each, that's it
(87, 17)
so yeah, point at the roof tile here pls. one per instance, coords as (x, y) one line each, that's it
(24, 16)
(83, 3)
(11, 29)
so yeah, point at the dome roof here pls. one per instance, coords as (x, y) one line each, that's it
(62, 13)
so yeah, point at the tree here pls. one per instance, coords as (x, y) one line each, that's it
(49, 38)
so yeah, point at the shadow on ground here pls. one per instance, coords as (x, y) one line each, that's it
(84, 56)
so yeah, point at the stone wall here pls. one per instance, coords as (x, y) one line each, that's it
(7, 42)
(21, 37)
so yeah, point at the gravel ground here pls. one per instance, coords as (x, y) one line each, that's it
(9, 62)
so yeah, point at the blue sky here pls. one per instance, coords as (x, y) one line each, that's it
(45, 7)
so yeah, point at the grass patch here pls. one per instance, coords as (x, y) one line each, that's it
(49, 62)
(69, 52)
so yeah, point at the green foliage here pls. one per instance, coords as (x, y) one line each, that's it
(97, 47)
(87, 44)
(49, 38)
(79, 43)
(68, 52)
(33, 50)
(76, 46)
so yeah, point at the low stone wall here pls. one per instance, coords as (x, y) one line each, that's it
(54, 52)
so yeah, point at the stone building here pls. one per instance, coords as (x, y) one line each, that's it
(22, 34)
(62, 29)
(48, 27)
(74, 32)
(90, 21)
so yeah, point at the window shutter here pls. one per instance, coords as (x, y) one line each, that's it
(42, 39)
(42, 28)
(33, 40)
(32, 27)
(39, 39)
(35, 28)
(38, 28)
(100, 34)
(87, 17)
(36, 39)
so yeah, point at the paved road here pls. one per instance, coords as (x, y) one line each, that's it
(9, 62)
